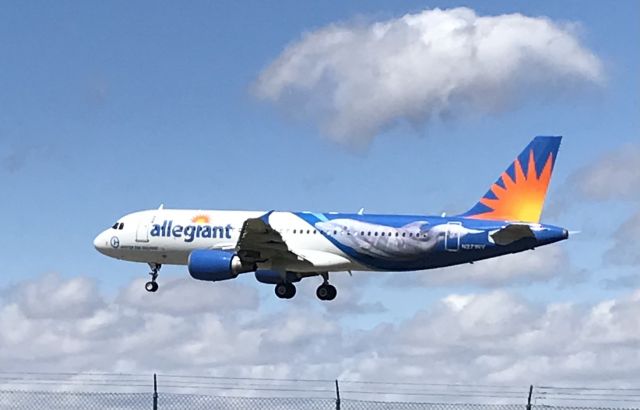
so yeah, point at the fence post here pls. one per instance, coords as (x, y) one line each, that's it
(337, 395)
(155, 392)
(529, 399)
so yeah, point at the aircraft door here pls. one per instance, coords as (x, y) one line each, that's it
(142, 233)
(143, 228)
(452, 237)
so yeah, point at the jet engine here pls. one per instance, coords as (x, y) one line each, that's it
(216, 265)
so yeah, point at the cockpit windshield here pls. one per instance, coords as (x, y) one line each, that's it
(118, 225)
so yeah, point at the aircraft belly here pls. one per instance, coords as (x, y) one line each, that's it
(314, 260)
(163, 257)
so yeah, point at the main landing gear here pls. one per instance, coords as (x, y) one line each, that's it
(152, 285)
(285, 290)
(326, 291)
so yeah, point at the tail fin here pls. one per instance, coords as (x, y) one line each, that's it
(519, 193)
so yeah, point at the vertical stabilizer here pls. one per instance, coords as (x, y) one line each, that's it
(519, 193)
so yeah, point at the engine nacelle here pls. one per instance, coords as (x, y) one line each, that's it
(215, 265)
(272, 277)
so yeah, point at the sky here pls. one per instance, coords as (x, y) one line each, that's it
(399, 107)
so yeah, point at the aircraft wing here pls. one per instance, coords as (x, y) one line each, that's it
(512, 233)
(259, 242)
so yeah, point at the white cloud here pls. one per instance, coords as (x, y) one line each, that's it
(615, 175)
(625, 250)
(184, 297)
(53, 297)
(489, 337)
(498, 338)
(358, 79)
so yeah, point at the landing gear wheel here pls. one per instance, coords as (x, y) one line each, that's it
(326, 292)
(333, 292)
(285, 290)
(151, 286)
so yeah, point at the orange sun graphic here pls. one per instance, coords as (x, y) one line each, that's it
(200, 219)
(520, 199)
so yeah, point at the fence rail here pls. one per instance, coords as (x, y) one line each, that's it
(100, 391)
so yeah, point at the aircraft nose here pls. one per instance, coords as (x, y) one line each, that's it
(100, 243)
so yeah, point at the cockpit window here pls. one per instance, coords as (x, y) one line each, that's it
(115, 225)
(121, 227)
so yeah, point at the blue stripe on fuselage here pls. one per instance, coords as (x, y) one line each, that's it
(410, 242)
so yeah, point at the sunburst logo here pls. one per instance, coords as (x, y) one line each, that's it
(200, 219)
(520, 198)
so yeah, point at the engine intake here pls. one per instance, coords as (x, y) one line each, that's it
(215, 265)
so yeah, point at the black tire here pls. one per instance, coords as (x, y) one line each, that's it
(291, 290)
(326, 292)
(281, 290)
(151, 286)
(333, 292)
(322, 292)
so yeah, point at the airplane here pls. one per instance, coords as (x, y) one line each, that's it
(282, 248)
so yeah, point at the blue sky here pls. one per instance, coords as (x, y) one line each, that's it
(111, 107)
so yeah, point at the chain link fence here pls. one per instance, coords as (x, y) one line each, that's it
(32, 400)
(31, 391)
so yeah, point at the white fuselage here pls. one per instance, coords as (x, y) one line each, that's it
(165, 236)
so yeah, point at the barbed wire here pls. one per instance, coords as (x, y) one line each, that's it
(316, 388)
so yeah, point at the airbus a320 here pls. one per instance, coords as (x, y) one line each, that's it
(281, 248)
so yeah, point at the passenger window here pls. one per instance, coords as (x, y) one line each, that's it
(411, 234)
(396, 233)
(404, 234)
(294, 231)
(362, 233)
(375, 233)
(369, 233)
(335, 232)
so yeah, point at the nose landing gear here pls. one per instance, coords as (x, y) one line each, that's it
(152, 285)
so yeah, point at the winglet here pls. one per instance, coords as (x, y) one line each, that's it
(265, 217)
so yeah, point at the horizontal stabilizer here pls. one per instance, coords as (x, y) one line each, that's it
(512, 233)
